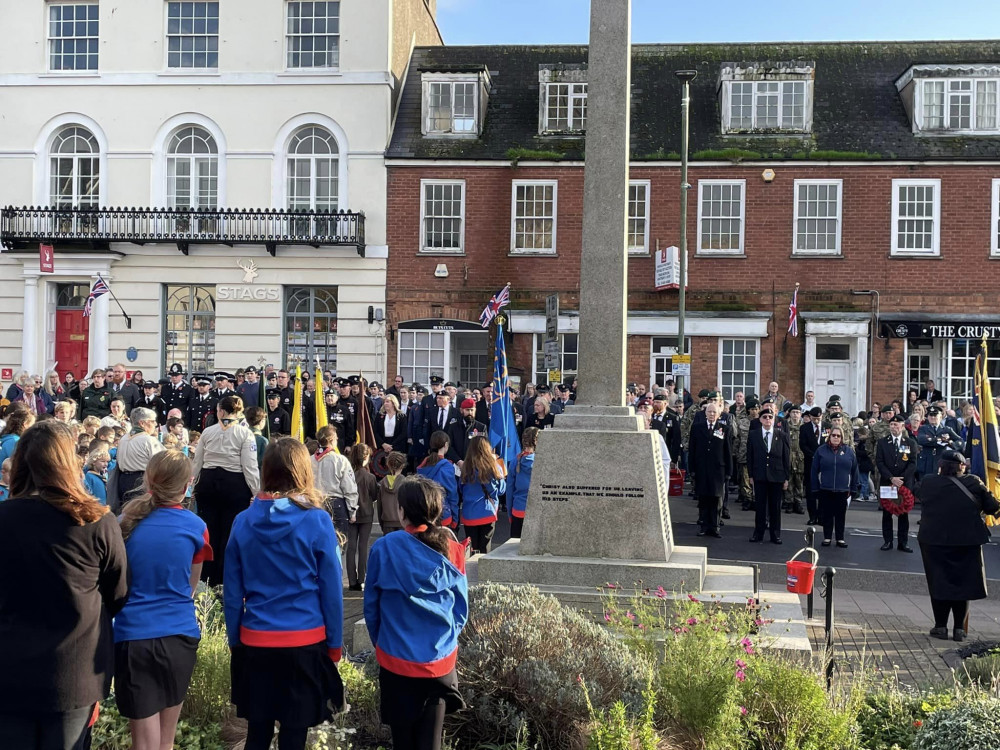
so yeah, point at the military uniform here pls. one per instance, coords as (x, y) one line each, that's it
(795, 493)
(339, 418)
(893, 461)
(200, 408)
(176, 396)
(743, 484)
(151, 400)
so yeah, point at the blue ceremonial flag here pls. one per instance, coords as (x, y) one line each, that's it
(985, 438)
(503, 431)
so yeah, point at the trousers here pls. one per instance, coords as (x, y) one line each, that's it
(904, 528)
(709, 507)
(357, 551)
(768, 514)
(833, 507)
(67, 730)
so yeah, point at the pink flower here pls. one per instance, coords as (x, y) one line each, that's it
(751, 601)
(758, 622)
(692, 597)
(684, 630)
(641, 626)
(692, 621)
(611, 585)
(743, 710)
(740, 675)
(607, 617)
(740, 664)
(746, 642)
(677, 631)
(660, 592)
(749, 650)
(630, 616)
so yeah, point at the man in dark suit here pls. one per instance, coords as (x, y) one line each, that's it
(484, 407)
(440, 417)
(810, 439)
(124, 389)
(769, 461)
(668, 424)
(710, 457)
(929, 393)
(462, 432)
(895, 459)
(201, 408)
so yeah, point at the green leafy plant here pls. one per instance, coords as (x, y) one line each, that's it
(208, 696)
(111, 732)
(615, 730)
(530, 154)
(890, 716)
(970, 723)
(726, 154)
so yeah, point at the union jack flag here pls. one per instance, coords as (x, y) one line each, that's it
(100, 287)
(497, 302)
(793, 313)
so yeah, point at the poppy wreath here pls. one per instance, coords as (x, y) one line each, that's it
(904, 503)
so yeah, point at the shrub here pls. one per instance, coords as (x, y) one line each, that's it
(983, 671)
(208, 696)
(519, 660)
(111, 732)
(890, 716)
(613, 730)
(970, 723)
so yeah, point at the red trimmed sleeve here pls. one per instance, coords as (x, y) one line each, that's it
(334, 654)
(205, 553)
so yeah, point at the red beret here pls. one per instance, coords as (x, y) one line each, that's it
(469, 403)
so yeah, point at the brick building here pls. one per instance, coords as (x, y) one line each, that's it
(867, 173)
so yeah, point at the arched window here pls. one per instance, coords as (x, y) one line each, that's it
(311, 326)
(192, 169)
(190, 327)
(313, 179)
(74, 169)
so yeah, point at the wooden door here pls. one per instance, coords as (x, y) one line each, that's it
(72, 340)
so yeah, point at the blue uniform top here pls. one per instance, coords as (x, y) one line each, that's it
(161, 551)
(522, 481)
(7, 445)
(443, 472)
(4, 492)
(96, 486)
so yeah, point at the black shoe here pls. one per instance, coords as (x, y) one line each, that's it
(841, 543)
(886, 546)
(905, 548)
(503, 507)
(812, 522)
(725, 514)
(797, 509)
(755, 539)
(702, 532)
(959, 635)
(941, 633)
(716, 534)
(826, 543)
(355, 587)
(776, 540)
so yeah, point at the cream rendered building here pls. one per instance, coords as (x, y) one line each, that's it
(219, 164)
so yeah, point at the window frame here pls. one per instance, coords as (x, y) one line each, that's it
(895, 250)
(757, 356)
(920, 124)
(181, 70)
(710, 253)
(995, 220)
(807, 106)
(514, 185)
(288, 293)
(288, 36)
(313, 158)
(635, 249)
(547, 127)
(445, 350)
(189, 314)
(451, 79)
(193, 159)
(51, 40)
(538, 345)
(423, 248)
(838, 250)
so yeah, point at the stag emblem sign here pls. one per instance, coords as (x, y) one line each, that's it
(249, 271)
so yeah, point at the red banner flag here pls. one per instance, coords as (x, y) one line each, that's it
(46, 258)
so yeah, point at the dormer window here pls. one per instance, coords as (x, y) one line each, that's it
(945, 99)
(453, 103)
(562, 99)
(766, 97)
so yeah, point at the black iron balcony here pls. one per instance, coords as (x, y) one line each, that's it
(97, 227)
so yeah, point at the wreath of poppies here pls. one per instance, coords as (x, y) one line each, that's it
(902, 504)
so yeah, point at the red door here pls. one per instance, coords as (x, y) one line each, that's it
(72, 337)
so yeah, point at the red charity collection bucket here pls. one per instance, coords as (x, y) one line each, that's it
(802, 574)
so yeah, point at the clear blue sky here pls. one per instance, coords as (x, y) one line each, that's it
(567, 21)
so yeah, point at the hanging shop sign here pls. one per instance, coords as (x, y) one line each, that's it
(910, 329)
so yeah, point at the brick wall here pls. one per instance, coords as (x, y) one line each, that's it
(962, 280)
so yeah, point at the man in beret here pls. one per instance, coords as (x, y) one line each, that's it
(796, 486)
(460, 433)
(879, 430)
(249, 389)
(895, 459)
(668, 424)
(743, 422)
(934, 439)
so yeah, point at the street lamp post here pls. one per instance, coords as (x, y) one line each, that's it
(685, 77)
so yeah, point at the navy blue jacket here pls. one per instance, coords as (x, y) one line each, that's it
(835, 472)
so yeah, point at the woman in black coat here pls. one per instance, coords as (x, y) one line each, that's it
(67, 578)
(952, 534)
(393, 436)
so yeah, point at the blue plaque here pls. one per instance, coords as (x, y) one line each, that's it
(132, 354)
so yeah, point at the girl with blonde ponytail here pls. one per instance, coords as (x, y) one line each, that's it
(156, 634)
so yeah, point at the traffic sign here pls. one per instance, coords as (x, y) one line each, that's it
(552, 317)
(551, 352)
(555, 376)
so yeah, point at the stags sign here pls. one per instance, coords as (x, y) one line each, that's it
(247, 293)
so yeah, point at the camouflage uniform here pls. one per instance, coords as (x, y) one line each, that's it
(795, 493)
(742, 475)
(876, 432)
(686, 421)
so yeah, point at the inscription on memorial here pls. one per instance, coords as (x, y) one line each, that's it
(564, 492)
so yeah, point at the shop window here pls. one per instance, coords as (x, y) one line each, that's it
(918, 362)
(474, 369)
(661, 358)
(569, 344)
(311, 326)
(739, 363)
(189, 327)
(421, 354)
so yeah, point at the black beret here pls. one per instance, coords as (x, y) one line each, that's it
(657, 397)
(703, 393)
(898, 418)
(815, 412)
(885, 408)
(354, 380)
(752, 403)
(343, 383)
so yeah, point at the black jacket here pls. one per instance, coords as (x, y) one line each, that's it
(397, 439)
(668, 424)
(892, 463)
(431, 425)
(129, 394)
(279, 422)
(769, 466)
(177, 398)
(63, 585)
(948, 516)
(809, 440)
(460, 434)
(710, 458)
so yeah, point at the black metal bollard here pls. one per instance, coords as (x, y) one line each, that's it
(828, 581)
(756, 581)
(810, 539)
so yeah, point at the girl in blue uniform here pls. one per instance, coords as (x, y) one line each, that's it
(157, 634)
(522, 480)
(482, 485)
(95, 472)
(284, 604)
(439, 469)
(416, 604)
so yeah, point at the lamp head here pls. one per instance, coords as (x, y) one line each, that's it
(686, 76)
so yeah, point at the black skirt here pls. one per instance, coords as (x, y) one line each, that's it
(954, 573)
(403, 699)
(299, 686)
(153, 674)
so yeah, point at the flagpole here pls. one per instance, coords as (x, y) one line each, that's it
(128, 320)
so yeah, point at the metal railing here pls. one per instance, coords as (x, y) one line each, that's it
(181, 226)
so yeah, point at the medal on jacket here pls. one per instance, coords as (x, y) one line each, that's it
(718, 433)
